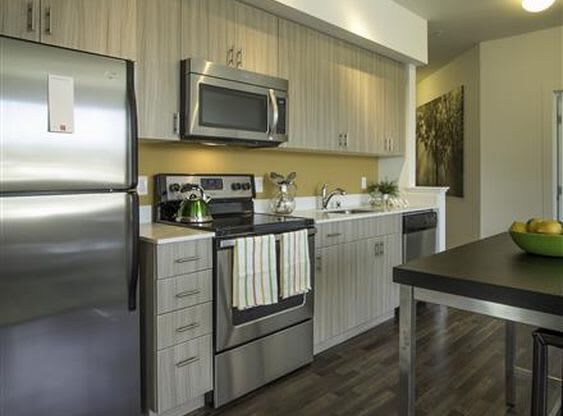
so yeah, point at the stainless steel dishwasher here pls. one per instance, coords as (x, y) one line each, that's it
(419, 234)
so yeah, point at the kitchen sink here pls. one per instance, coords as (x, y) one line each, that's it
(352, 211)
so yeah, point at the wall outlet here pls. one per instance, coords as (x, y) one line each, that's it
(364, 183)
(142, 186)
(259, 184)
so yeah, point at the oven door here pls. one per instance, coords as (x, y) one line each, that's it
(235, 327)
(227, 111)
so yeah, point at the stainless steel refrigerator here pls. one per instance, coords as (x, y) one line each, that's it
(69, 324)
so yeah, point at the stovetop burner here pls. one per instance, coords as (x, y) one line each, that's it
(232, 206)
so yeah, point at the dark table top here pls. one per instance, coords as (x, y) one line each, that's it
(492, 269)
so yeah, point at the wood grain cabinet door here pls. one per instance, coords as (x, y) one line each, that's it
(20, 19)
(208, 30)
(306, 60)
(393, 256)
(158, 68)
(329, 297)
(394, 106)
(256, 40)
(107, 27)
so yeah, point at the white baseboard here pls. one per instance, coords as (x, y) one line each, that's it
(351, 333)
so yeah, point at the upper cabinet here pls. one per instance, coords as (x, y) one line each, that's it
(305, 58)
(158, 68)
(230, 33)
(342, 98)
(20, 18)
(103, 26)
(256, 40)
(208, 30)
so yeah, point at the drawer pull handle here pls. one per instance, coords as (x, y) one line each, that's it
(334, 235)
(189, 361)
(187, 259)
(187, 293)
(30, 18)
(48, 17)
(186, 328)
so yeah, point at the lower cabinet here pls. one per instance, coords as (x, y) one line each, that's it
(177, 325)
(354, 287)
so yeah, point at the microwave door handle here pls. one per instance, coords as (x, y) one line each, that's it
(275, 113)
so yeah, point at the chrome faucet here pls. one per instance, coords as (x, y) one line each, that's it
(326, 196)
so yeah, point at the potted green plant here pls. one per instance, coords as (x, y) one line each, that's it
(386, 189)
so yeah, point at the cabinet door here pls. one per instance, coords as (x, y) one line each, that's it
(106, 27)
(305, 58)
(394, 107)
(208, 30)
(158, 68)
(392, 256)
(369, 267)
(344, 91)
(353, 73)
(256, 40)
(20, 18)
(330, 292)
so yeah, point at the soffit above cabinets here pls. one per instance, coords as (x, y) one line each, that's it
(382, 26)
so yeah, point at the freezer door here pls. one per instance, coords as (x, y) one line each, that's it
(69, 326)
(93, 95)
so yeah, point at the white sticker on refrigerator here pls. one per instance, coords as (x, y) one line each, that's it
(61, 104)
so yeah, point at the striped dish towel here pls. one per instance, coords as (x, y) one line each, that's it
(255, 280)
(295, 265)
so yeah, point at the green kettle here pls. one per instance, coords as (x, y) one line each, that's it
(194, 208)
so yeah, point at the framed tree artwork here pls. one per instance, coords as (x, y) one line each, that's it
(439, 142)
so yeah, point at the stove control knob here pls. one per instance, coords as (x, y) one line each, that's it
(236, 186)
(245, 186)
(174, 187)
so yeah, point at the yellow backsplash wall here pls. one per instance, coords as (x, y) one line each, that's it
(312, 169)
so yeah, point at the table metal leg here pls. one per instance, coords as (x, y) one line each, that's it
(407, 351)
(510, 363)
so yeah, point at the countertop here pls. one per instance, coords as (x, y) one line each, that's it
(164, 234)
(493, 269)
(321, 217)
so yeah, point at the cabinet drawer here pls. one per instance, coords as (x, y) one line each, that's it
(181, 326)
(330, 234)
(183, 291)
(345, 231)
(184, 372)
(181, 258)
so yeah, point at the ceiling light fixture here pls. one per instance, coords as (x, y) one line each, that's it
(536, 6)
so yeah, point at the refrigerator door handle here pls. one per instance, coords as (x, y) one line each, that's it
(132, 100)
(134, 278)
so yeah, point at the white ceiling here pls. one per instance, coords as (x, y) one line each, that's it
(456, 25)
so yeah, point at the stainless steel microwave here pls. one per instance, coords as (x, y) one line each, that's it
(224, 105)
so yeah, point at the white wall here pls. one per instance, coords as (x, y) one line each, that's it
(517, 78)
(463, 220)
(381, 25)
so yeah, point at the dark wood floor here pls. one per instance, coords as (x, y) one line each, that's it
(460, 371)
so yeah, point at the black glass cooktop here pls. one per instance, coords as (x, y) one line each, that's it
(236, 225)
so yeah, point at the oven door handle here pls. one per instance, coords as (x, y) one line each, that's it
(231, 243)
(275, 113)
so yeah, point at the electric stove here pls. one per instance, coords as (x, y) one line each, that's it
(231, 205)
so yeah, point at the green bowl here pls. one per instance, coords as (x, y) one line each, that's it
(541, 244)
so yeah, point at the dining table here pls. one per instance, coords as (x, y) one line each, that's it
(492, 277)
